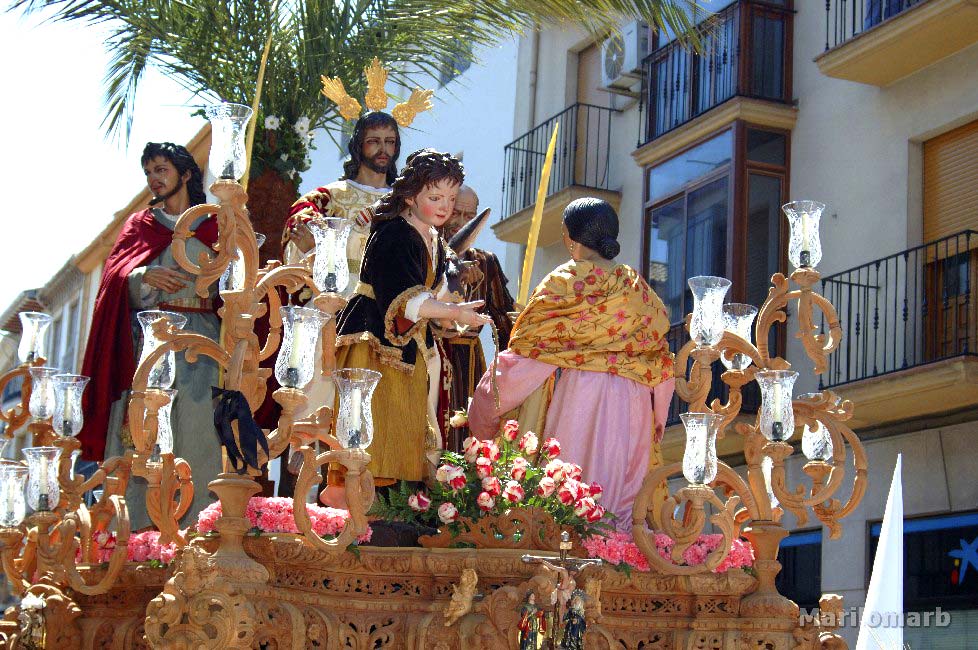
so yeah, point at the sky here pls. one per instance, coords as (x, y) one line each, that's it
(61, 179)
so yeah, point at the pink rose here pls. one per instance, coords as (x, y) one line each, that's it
(483, 467)
(583, 506)
(511, 430)
(596, 491)
(485, 501)
(569, 492)
(529, 443)
(595, 514)
(470, 448)
(492, 486)
(555, 470)
(551, 447)
(518, 470)
(447, 513)
(546, 487)
(489, 449)
(418, 502)
(456, 479)
(445, 472)
(514, 492)
(572, 471)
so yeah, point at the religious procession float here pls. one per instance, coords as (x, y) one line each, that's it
(514, 542)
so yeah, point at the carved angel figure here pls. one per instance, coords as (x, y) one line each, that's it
(464, 592)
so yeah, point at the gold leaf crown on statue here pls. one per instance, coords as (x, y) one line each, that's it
(376, 98)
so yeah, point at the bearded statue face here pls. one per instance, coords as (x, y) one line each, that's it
(466, 207)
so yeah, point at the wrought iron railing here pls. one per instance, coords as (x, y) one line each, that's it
(845, 19)
(582, 157)
(905, 310)
(678, 337)
(746, 52)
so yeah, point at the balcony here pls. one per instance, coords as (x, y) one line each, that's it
(581, 168)
(878, 42)
(910, 323)
(742, 73)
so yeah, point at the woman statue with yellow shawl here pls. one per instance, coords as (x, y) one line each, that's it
(588, 363)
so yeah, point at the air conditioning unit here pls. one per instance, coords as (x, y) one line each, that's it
(622, 54)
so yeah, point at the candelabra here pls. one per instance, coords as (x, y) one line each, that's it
(754, 506)
(39, 553)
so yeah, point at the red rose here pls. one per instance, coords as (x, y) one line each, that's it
(511, 430)
(551, 447)
(491, 486)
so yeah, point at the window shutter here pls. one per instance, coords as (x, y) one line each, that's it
(951, 182)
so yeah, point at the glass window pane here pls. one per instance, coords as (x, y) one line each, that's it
(763, 249)
(674, 174)
(666, 245)
(766, 147)
(706, 233)
(717, 66)
(767, 69)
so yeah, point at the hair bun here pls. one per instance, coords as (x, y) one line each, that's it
(609, 247)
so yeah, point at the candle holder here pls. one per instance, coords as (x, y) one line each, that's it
(354, 421)
(164, 431)
(816, 441)
(700, 456)
(295, 363)
(68, 417)
(233, 278)
(804, 247)
(163, 372)
(738, 319)
(330, 270)
(229, 122)
(42, 399)
(43, 489)
(13, 506)
(777, 413)
(34, 327)
(706, 325)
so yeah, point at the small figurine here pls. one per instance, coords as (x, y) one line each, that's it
(462, 597)
(575, 625)
(532, 626)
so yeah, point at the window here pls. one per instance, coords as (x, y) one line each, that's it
(800, 578)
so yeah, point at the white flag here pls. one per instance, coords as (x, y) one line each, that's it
(881, 627)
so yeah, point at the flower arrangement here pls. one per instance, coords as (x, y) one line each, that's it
(142, 547)
(620, 551)
(275, 515)
(282, 147)
(490, 477)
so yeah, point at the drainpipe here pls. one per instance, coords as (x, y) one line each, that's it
(534, 67)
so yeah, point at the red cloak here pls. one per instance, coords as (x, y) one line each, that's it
(110, 359)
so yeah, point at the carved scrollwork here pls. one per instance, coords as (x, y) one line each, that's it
(359, 494)
(531, 529)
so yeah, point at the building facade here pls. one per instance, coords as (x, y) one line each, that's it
(870, 107)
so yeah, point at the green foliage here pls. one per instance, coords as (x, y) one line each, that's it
(213, 48)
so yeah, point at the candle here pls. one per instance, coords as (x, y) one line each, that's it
(804, 257)
(357, 398)
(777, 427)
(295, 353)
(43, 487)
(11, 488)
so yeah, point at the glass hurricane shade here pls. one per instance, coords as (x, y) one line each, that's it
(738, 319)
(163, 372)
(41, 404)
(43, 492)
(816, 443)
(706, 325)
(777, 410)
(164, 431)
(355, 421)
(13, 505)
(330, 270)
(300, 337)
(700, 456)
(233, 278)
(34, 326)
(804, 247)
(229, 123)
(68, 390)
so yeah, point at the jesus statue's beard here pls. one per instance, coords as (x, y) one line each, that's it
(159, 199)
(375, 167)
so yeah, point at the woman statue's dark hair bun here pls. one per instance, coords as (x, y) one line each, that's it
(593, 223)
